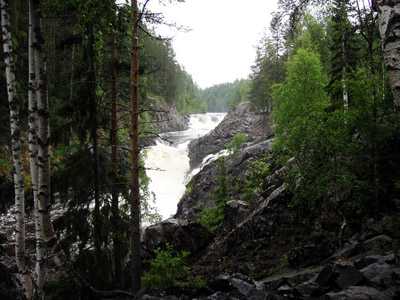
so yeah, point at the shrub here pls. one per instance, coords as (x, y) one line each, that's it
(211, 217)
(166, 269)
(234, 146)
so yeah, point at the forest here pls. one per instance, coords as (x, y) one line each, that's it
(74, 83)
(222, 97)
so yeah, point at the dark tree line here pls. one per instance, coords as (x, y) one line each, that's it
(88, 81)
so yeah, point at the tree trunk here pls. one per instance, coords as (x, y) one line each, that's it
(71, 88)
(91, 90)
(134, 132)
(46, 226)
(16, 151)
(40, 275)
(344, 73)
(389, 21)
(114, 161)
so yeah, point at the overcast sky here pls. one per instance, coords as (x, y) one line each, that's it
(220, 46)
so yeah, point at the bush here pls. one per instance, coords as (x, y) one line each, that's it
(212, 217)
(234, 146)
(166, 269)
(260, 169)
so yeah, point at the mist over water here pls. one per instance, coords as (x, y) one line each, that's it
(167, 162)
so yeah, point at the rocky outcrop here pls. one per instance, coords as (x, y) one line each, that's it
(365, 277)
(164, 117)
(241, 119)
(181, 234)
(204, 183)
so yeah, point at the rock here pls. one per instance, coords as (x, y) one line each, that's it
(360, 293)
(204, 183)
(234, 213)
(348, 250)
(372, 228)
(318, 246)
(370, 259)
(349, 276)
(165, 117)
(365, 261)
(327, 277)
(309, 289)
(276, 284)
(182, 235)
(380, 242)
(277, 179)
(8, 286)
(239, 120)
(375, 269)
(388, 278)
(237, 286)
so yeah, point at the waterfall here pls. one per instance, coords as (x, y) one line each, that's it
(167, 162)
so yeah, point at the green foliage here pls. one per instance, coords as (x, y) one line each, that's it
(165, 78)
(189, 187)
(260, 169)
(306, 131)
(168, 269)
(238, 140)
(269, 69)
(221, 97)
(61, 289)
(211, 217)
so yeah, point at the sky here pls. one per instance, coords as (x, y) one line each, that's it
(221, 44)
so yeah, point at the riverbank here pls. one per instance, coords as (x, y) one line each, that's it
(266, 247)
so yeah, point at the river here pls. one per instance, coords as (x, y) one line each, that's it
(167, 163)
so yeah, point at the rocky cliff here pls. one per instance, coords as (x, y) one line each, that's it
(241, 119)
(164, 117)
(291, 252)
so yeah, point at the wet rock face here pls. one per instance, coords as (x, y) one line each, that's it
(239, 120)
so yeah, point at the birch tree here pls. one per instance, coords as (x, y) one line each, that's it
(16, 150)
(40, 275)
(44, 203)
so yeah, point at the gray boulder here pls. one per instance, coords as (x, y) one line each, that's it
(181, 234)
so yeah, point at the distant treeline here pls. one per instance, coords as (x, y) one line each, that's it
(221, 97)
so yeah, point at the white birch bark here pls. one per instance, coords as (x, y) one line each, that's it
(344, 73)
(389, 21)
(45, 223)
(16, 150)
(40, 270)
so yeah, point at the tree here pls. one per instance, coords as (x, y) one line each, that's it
(134, 149)
(343, 53)
(44, 201)
(114, 161)
(16, 150)
(267, 71)
(40, 268)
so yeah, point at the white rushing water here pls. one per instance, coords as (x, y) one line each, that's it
(167, 163)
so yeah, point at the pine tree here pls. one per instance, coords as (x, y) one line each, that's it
(343, 54)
